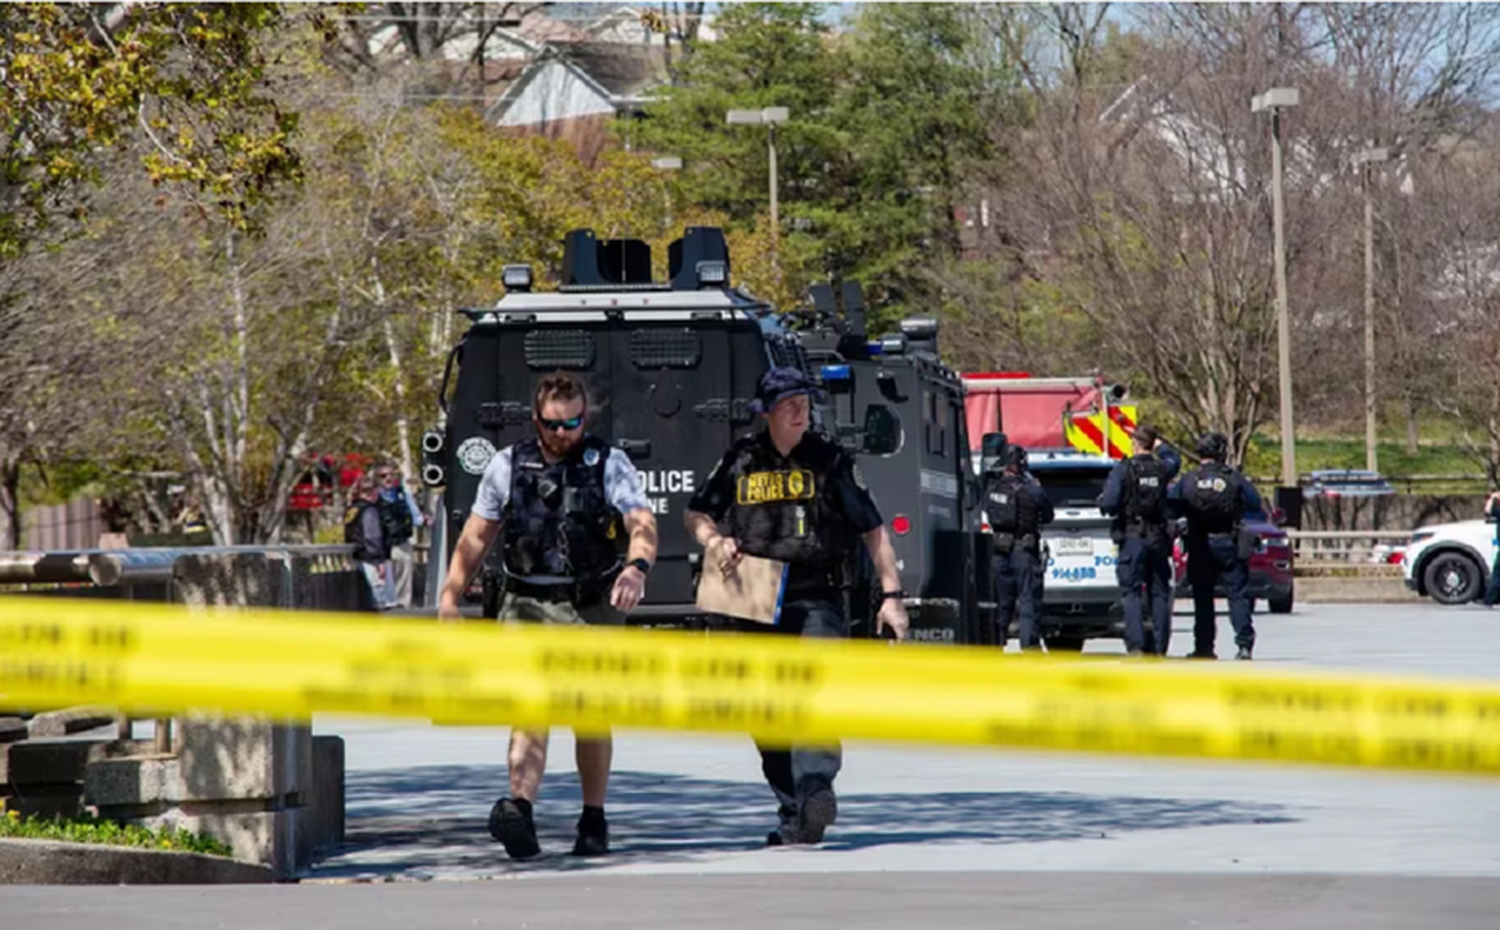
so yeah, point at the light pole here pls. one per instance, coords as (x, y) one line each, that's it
(667, 163)
(768, 117)
(1276, 99)
(1364, 160)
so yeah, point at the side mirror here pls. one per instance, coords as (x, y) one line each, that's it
(882, 434)
(991, 448)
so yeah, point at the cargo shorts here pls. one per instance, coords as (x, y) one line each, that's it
(524, 609)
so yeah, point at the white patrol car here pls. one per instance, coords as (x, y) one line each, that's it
(1080, 595)
(1450, 562)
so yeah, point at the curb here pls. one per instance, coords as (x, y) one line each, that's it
(47, 862)
(1355, 591)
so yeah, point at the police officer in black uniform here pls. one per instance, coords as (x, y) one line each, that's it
(564, 498)
(1136, 496)
(1017, 508)
(1215, 499)
(788, 494)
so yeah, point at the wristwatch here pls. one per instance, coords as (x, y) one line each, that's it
(641, 564)
(887, 595)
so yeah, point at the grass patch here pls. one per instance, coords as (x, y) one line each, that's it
(90, 829)
(1318, 453)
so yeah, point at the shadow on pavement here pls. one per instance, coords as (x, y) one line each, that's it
(431, 820)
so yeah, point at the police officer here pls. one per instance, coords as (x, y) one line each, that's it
(560, 498)
(1135, 495)
(792, 495)
(1215, 499)
(1017, 508)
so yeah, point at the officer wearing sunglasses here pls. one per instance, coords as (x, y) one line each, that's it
(564, 500)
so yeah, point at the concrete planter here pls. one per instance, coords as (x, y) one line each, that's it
(46, 862)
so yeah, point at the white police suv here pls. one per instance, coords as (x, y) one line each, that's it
(1450, 562)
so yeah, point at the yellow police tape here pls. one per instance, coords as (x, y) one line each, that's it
(153, 659)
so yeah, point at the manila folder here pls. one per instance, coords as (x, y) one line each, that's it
(753, 591)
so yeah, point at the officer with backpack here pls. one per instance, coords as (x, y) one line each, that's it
(1136, 497)
(1017, 508)
(1215, 499)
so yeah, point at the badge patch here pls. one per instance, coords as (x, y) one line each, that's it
(591, 457)
(474, 454)
(766, 487)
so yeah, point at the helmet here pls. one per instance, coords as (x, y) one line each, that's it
(1213, 446)
(1016, 456)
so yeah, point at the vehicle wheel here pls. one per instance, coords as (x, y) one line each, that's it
(1282, 605)
(1453, 578)
(1065, 642)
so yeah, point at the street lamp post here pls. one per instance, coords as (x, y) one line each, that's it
(768, 117)
(1276, 99)
(667, 163)
(1364, 160)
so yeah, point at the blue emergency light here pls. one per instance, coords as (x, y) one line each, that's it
(836, 373)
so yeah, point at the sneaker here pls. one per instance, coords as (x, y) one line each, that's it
(785, 833)
(1243, 654)
(511, 824)
(819, 810)
(593, 836)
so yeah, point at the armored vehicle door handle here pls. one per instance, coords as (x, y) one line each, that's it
(635, 448)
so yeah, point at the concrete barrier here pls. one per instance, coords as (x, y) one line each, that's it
(45, 862)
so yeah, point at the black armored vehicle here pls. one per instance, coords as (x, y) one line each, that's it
(671, 367)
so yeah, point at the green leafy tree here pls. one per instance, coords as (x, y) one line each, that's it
(882, 118)
(186, 85)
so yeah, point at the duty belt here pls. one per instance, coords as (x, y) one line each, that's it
(582, 593)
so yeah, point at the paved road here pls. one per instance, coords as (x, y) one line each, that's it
(1040, 839)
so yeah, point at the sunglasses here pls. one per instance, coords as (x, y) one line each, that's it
(555, 425)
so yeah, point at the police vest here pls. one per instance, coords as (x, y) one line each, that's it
(1145, 491)
(1010, 508)
(395, 519)
(558, 520)
(783, 508)
(1213, 498)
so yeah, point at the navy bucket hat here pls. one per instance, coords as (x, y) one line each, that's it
(778, 384)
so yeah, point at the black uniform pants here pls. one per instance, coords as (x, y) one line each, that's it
(1146, 563)
(1211, 559)
(1018, 590)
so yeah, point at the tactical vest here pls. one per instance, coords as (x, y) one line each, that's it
(783, 507)
(558, 520)
(1145, 491)
(395, 519)
(354, 531)
(1212, 495)
(1011, 510)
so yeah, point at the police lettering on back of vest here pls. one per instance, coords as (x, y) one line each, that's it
(558, 519)
(781, 511)
(1214, 497)
(1145, 490)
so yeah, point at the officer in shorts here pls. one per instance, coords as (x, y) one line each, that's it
(559, 498)
(1017, 508)
(788, 494)
(1215, 499)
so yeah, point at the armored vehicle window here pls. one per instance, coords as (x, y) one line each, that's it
(1073, 487)
(882, 430)
(559, 348)
(935, 415)
(665, 348)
